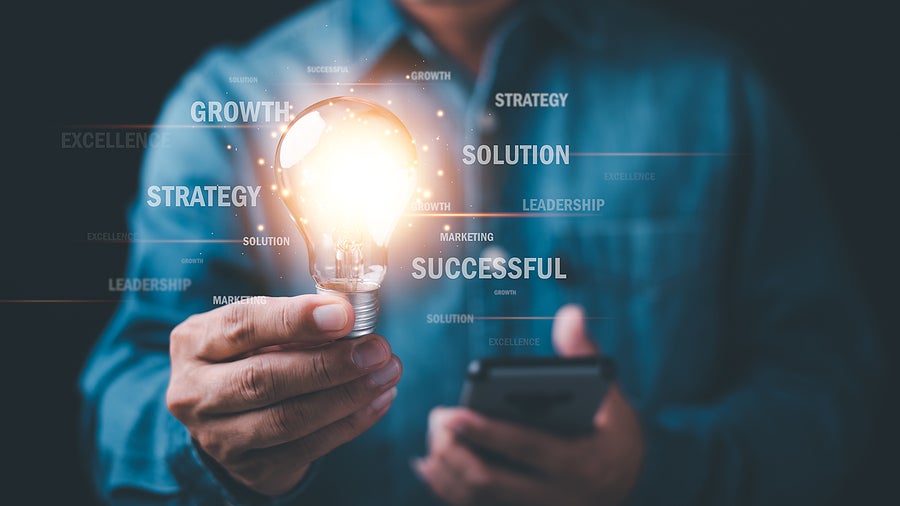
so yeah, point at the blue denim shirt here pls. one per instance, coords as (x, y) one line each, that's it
(710, 275)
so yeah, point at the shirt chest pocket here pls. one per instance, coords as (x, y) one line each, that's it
(650, 284)
(632, 256)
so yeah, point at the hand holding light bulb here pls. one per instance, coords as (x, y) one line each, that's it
(266, 389)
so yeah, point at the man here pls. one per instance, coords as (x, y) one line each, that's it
(706, 269)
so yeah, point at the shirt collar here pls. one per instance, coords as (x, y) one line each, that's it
(581, 22)
(378, 24)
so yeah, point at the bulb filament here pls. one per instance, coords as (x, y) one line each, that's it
(348, 261)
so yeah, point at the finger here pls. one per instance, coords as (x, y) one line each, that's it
(536, 449)
(300, 416)
(447, 478)
(570, 338)
(267, 378)
(230, 331)
(442, 481)
(615, 414)
(456, 474)
(257, 467)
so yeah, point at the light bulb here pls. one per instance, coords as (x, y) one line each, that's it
(346, 170)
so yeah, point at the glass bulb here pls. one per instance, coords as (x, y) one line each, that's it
(346, 170)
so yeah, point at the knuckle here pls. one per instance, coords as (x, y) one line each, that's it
(175, 402)
(255, 383)
(290, 326)
(215, 446)
(321, 370)
(181, 334)
(349, 395)
(235, 324)
(285, 417)
(180, 401)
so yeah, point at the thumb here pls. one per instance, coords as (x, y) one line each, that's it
(570, 337)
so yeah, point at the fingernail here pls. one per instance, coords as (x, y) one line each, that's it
(416, 463)
(457, 426)
(384, 399)
(368, 353)
(386, 374)
(330, 317)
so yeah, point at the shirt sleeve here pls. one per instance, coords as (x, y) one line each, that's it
(789, 425)
(139, 453)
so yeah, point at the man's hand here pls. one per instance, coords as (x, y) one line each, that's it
(599, 469)
(264, 389)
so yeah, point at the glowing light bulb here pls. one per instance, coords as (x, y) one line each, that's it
(346, 170)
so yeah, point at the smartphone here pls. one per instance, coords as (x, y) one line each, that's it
(559, 395)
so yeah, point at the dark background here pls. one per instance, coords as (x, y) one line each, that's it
(114, 62)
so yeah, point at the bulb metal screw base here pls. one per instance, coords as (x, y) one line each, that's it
(365, 309)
